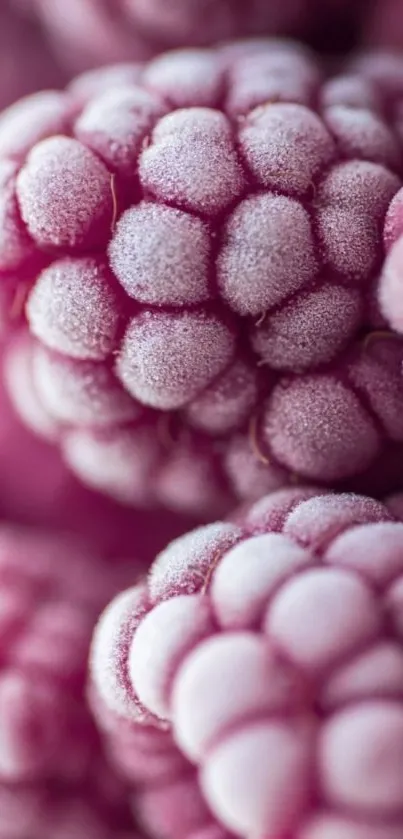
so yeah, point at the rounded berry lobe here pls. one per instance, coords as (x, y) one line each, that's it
(310, 330)
(253, 801)
(173, 627)
(390, 288)
(186, 77)
(285, 146)
(84, 394)
(183, 566)
(161, 256)
(310, 426)
(267, 686)
(18, 373)
(115, 123)
(373, 551)
(228, 402)
(342, 609)
(377, 671)
(321, 517)
(281, 73)
(363, 134)
(65, 196)
(16, 246)
(114, 460)
(268, 253)
(31, 120)
(74, 309)
(192, 163)
(112, 76)
(168, 358)
(110, 651)
(250, 573)
(219, 231)
(360, 758)
(348, 216)
(377, 373)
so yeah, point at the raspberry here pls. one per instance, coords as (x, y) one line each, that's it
(200, 242)
(54, 777)
(258, 673)
(47, 608)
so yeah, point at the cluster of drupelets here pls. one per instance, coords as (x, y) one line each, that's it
(201, 326)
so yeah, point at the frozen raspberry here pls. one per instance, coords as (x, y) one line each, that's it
(51, 590)
(55, 780)
(253, 684)
(199, 242)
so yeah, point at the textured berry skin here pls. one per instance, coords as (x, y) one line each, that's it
(258, 673)
(200, 239)
(55, 782)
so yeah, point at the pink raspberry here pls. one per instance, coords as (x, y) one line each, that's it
(55, 780)
(51, 590)
(202, 241)
(253, 684)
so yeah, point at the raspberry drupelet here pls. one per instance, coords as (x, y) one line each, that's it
(200, 239)
(253, 684)
(55, 782)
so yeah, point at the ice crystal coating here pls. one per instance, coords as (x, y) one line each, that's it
(207, 250)
(49, 601)
(74, 308)
(269, 660)
(160, 256)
